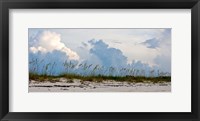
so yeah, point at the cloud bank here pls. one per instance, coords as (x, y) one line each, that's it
(107, 55)
(48, 54)
(152, 43)
(49, 41)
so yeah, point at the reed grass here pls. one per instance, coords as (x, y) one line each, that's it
(90, 72)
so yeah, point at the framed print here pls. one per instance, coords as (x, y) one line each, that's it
(89, 69)
(99, 60)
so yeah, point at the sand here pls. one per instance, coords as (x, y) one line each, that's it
(64, 85)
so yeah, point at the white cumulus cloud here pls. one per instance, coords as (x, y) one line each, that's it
(49, 41)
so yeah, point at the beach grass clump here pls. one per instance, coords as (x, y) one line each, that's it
(42, 78)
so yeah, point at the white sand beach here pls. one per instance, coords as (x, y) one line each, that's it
(64, 85)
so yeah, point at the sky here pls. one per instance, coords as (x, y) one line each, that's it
(142, 49)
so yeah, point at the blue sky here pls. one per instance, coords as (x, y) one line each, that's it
(145, 49)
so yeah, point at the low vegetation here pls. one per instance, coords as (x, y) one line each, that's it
(99, 78)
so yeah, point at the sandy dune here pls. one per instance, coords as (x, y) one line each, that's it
(64, 85)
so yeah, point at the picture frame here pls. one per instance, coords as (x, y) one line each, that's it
(6, 5)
